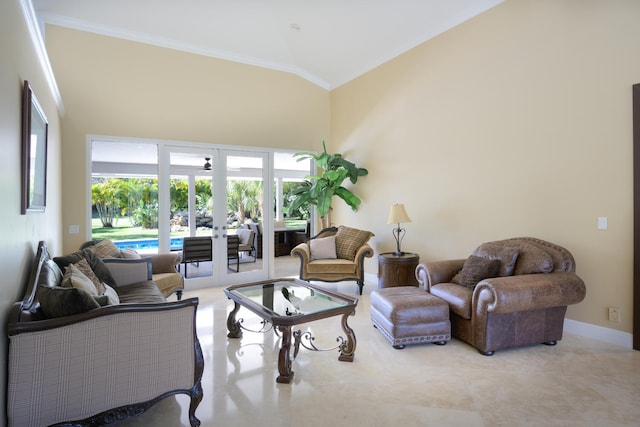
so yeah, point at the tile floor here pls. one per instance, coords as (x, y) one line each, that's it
(579, 382)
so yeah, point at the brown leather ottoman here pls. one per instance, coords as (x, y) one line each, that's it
(410, 315)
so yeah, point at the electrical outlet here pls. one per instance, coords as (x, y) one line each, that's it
(614, 314)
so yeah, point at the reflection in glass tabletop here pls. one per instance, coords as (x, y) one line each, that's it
(287, 298)
(284, 303)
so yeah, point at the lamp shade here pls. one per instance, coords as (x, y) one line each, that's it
(398, 214)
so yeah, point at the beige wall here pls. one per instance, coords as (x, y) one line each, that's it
(21, 233)
(517, 122)
(121, 88)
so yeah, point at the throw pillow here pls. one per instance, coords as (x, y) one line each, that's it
(533, 260)
(59, 302)
(112, 295)
(129, 254)
(323, 248)
(244, 234)
(507, 255)
(475, 269)
(95, 263)
(74, 278)
(102, 300)
(85, 268)
(129, 271)
(105, 249)
(349, 240)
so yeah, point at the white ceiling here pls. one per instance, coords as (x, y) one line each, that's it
(328, 42)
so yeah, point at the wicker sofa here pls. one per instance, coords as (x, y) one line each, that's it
(522, 302)
(75, 362)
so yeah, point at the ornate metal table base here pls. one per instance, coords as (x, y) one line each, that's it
(346, 346)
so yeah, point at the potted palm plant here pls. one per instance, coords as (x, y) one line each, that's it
(318, 190)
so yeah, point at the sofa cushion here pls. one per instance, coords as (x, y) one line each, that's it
(323, 248)
(533, 260)
(59, 302)
(508, 256)
(142, 292)
(73, 278)
(328, 266)
(349, 240)
(458, 297)
(85, 268)
(475, 269)
(94, 261)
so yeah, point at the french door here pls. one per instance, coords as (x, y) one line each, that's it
(226, 192)
(150, 195)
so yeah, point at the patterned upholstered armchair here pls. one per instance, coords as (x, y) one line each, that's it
(335, 255)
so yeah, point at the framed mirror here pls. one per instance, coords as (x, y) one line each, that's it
(34, 153)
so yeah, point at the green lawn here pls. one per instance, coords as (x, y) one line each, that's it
(123, 230)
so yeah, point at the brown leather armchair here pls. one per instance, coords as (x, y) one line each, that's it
(335, 255)
(524, 305)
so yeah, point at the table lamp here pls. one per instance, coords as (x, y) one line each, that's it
(398, 215)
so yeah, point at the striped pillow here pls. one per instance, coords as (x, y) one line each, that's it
(105, 249)
(349, 240)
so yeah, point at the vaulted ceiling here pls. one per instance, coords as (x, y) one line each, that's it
(328, 42)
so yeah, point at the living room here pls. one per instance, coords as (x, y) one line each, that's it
(516, 122)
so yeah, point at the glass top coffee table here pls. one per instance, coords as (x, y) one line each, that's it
(285, 303)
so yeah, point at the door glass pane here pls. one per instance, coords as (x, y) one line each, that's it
(290, 227)
(124, 194)
(245, 201)
(191, 211)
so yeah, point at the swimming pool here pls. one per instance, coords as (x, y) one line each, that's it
(147, 244)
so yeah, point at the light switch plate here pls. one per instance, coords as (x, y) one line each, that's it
(602, 223)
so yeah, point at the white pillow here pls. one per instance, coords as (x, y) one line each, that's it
(112, 295)
(243, 233)
(323, 248)
(73, 277)
(129, 271)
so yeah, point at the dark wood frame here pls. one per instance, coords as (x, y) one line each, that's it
(284, 324)
(34, 170)
(636, 216)
(25, 317)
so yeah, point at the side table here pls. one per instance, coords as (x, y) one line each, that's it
(394, 270)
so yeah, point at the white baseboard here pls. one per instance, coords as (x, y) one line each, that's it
(587, 330)
(610, 336)
(371, 278)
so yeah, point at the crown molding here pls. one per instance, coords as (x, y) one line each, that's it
(109, 31)
(41, 51)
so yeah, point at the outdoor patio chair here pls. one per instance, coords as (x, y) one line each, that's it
(196, 249)
(233, 244)
(247, 241)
